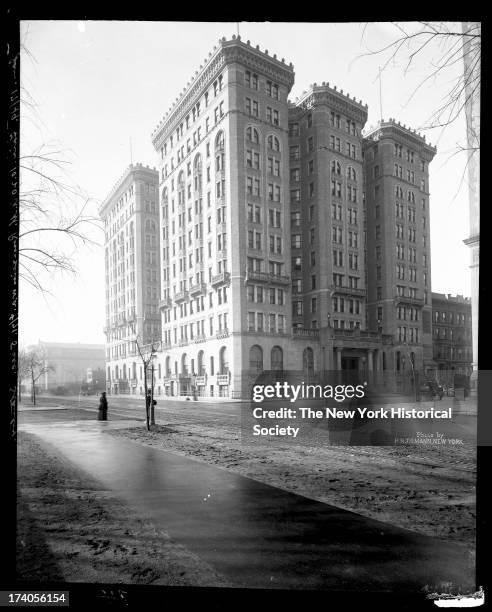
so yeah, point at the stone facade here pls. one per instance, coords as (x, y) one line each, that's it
(396, 163)
(224, 184)
(452, 333)
(271, 259)
(132, 275)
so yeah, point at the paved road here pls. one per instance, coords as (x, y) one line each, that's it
(254, 534)
(167, 410)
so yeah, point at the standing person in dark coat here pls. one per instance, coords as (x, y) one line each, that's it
(102, 414)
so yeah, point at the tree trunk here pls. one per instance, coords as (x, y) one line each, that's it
(147, 416)
(33, 390)
(152, 412)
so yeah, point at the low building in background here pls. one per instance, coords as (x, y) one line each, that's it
(68, 363)
(452, 333)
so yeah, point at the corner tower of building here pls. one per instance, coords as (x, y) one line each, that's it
(396, 165)
(326, 187)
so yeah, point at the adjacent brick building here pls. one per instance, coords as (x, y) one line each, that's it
(452, 333)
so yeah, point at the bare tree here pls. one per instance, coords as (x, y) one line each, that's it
(22, 370)
(53, 222)
(53, 208)
(36, 366)
(451, 44)
(147, 353)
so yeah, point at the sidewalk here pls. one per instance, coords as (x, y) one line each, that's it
(254, 534)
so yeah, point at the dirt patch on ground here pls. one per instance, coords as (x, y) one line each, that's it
(428, 489)
(71, 529)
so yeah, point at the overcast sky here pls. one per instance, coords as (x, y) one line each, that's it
(98, 84)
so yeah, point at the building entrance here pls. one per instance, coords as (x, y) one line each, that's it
(350, 363)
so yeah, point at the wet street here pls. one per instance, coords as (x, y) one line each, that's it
(119, 407)
(254, 534)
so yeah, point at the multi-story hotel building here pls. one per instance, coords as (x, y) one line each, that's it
(396, 164)
(225, 223)
(132, 274)
(327, 229)
(286, 239)
(452, 333)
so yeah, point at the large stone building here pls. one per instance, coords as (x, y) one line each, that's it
(67, 363)
(327, 231)
(132, 273)
(452, 333)
(288, 240)
(396, 164)
(226, 259)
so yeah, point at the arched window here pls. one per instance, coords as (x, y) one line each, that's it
(197, 167)
(335, 167)
(256, 358)
(184, 364)
(273, 143)
(201, 368)
(252, 135)
(219, 141)
(351, 173)
(181, 188)
(277, 358)
(223, 361)
(308, 361)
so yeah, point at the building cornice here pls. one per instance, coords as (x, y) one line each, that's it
(396, 131)
(450, 299)
(323, 94)
(227, 52)
(133, 171)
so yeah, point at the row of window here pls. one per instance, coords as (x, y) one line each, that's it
(252, 108)
(253, 81)
(458, 318)
(253, 161)
(260, 295)
(254, 215)
(408, 334)
(398, 152)
(336, 121)
(255, 242)
(449, 333)
(195, 113)
(196, 329)
(260, 322)
(197, 305)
